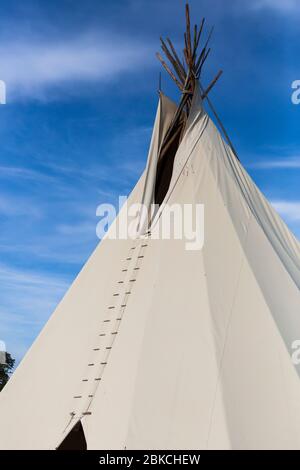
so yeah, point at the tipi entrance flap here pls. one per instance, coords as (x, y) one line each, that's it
(165, 112)
(194, 127)
(168, 150)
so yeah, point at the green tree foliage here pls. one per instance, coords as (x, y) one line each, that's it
(6, 370)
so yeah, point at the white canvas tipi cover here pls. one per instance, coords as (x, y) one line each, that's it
(158, 347)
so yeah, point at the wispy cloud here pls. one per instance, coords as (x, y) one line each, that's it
(27, 299)
(25, 278)
(14, 206)
(273, 164)
(24, 173)
(279, 5)
(31, 66)
(289, 210)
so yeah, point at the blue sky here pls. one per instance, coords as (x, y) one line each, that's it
(81, 82)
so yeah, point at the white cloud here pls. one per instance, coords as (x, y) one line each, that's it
(279, 5)
(24, 173)
(27, 299)
(289, 210)
(29, 67)
(83, 229)
(12, 277)
(14, 206)
(284, 163)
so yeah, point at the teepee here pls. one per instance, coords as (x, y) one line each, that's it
(158, 347)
